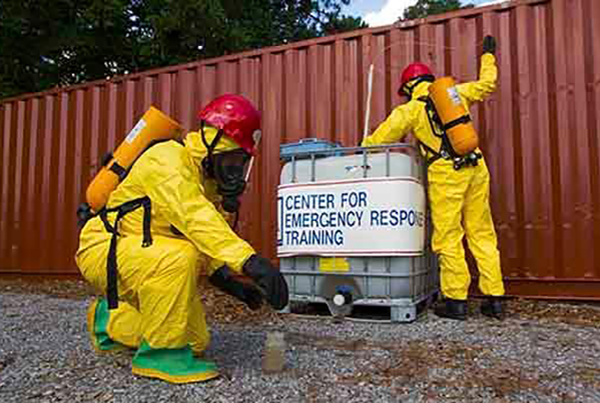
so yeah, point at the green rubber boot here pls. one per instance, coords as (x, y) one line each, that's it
(177, 365)
(97, 319)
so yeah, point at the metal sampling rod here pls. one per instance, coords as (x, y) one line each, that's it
(369, 93)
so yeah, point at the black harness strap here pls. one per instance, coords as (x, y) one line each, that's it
(119, 170)
(433, 122)
(456, 122)
(111, 261)
(439, 130)
(428, 150)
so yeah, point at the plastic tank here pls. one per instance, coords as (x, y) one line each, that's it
(332, 242)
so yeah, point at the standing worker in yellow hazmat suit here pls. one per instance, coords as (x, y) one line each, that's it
(458, 186)
(188, 183)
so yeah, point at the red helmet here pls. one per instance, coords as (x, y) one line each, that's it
(411, 72)
(236, 116)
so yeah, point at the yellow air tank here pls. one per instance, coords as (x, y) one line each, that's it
(153, 126)
(453, 115)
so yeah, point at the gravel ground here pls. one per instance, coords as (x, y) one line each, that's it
(541, 353)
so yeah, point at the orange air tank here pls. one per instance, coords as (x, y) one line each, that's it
(453, 115)
(153, 126)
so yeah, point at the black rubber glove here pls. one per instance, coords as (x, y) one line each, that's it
(224, 280)
(269, 279)
(489, 44)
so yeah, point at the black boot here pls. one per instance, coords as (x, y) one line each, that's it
(492, 307)
(452, 309)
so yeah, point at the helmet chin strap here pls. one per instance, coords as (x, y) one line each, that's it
(407, 89)
(208, 162)
(229, 192)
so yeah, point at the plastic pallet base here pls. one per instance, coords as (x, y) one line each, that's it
(392, 313)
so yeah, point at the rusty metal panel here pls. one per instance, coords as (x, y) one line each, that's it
(45, 159)
(252, 228)
(29, 236)
(4, 185)
(593, 97)
(273, 127)
(540, 131)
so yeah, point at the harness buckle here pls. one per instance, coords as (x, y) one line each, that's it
(445, 154)
(84, 214)
(470, 159)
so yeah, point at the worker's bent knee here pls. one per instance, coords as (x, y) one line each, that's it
(182, 253)
(188, 252)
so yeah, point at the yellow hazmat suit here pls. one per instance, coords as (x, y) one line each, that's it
(159, 312)
(459, 199)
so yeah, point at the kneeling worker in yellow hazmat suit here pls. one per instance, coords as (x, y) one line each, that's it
(458, 184)
(160, 249)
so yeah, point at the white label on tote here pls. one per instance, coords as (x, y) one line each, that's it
(358, 217)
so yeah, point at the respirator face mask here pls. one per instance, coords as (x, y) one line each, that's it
(230, 170)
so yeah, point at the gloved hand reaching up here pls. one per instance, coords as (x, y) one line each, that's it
(489, 44)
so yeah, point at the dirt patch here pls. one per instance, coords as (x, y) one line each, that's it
(574, 313)
(325, 342)
(532, 356)
(220, 307)
(60, 288)
(441, 365)
(436, 366)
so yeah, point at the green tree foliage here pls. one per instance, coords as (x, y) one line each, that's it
(48, 43)
(424, 8)
(44, 43)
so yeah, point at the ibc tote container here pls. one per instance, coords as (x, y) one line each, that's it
(324, 259)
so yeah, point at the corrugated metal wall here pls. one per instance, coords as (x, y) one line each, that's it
(540, 132)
